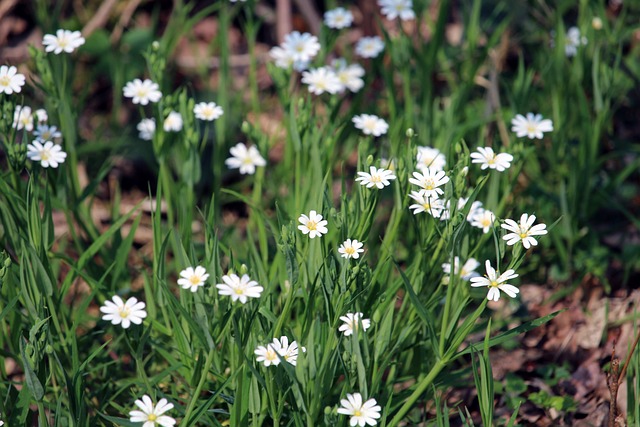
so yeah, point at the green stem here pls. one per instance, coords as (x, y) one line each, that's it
(196, 393)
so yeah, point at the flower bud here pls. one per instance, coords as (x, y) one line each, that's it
(410, 133)
(596, 23)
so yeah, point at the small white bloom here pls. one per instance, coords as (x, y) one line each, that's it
(142, 92)
(393, 9)
(173, 122)
(313, 225)
(285, 59)
(351, 249)
(532, 126)
(48, 154)
(191, 278)
(432, 205)
(338, 18)
(64, 40)
(352, 322)
(350, 76)
(524, 231)
(269, 354)
(22, 118)
(245, 159)
(430, 181)
(370, 124)
(484, 219)
(302, 46)
(488, 159)
(239, 288)
(496, 283)
(369, 47)
(321, 80)
(41, 116)
(378, 178)
(207, 111)
(289, 351)
(10, 80)
(466, 273)
(429, 157)
(361, 413)
(46, 133)
(152, 415)
(146, 129)
(124, 313)
(572, 41)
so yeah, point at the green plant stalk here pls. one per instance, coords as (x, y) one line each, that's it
(203, 379)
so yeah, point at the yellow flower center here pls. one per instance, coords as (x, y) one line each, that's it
(531, 128)
(142, 92)
(494, 284)
(492, 160)
(429, 184)
(45, 155)
(357, 413)
(376, 178)
(300, 47)
(486, 222)
(124, 312)
(5, 80)
(152, 417)
(523, 235)
(271, 355)
(350, 250)
(239, 291)
(312, 225)
(194, 280)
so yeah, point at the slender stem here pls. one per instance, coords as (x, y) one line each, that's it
(196, 393)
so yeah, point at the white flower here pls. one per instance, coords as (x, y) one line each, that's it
(302, 46)
(524, 231)
(142, 92)
(532, 126)
(41, 115)
(313, 225)
(10, 80)
(46, 133)
(488, 159)
(369, 47)
(361, 413)
(379, 178)
(125, 313)
(49, 154)
(496, 283)
(246, 159)
(484, 219)
(150, 415)
(573, 41)
(432, 205)
(173, 122)
(191, 278)
(350, 76)
(475, 208)
(338, 18)
(239, 288)
(370, 124)
(207, 111)
(321, 80)
(64, 40)
(429, 157)
(279, 349)
(467, 271)
(393, 9)
(352, 322)
(146, 129)
(351, 249)
(284, 59)
(429, 181)
(22, 118)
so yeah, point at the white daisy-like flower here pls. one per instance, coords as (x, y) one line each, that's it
(191, 278)
(22, 118)
(123, 313)
(285, 59)
(496, 283)
(393, 9)
(321, 80)
(269, 354)
(10, 80)
(429, 157)
(369, 47)
(532, 126)
(173, 122)
(239, 288)
(289, 351)
(467, 271)
(142, 92)
(352, 322)
(245, 159)
(146, 129)
(432, 205)
(46, 133)
(351, 249)
(378, 178)
(208, 111)
(41, 116)
(350, 76)
(370, 124)
(338, 18)
(484, 219)
(49, 155)
(152, 415)
(361, 413)
(488, 159)
(313, 225)
(572, 41)
(523, 231)
(64, 40)
(430, 181)
(302, 46)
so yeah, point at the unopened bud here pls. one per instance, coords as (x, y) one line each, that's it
(410, 133)
(596, 23)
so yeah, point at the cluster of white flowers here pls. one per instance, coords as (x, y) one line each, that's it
(278, 350)
(336, 78)
(297, 50)
(370, 124)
